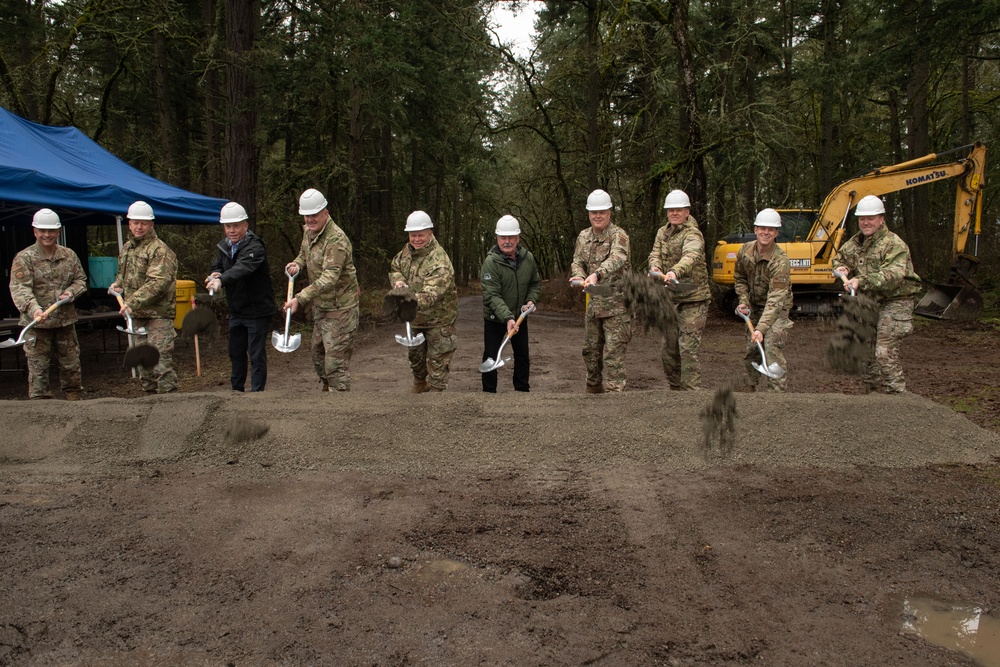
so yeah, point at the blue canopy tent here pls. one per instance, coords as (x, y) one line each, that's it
(63, 169)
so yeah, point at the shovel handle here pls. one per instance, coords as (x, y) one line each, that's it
(524, 314)
(843, 279)
(51, 309)
(291, 284)
(746, 319)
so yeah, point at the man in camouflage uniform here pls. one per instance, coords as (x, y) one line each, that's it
(42, 274)
(601, 255)
(764, 289)
(424, 267)
(333, 291)
(679, 255)
(147, 281)
(881, 267)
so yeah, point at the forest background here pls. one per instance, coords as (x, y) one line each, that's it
(388, 106)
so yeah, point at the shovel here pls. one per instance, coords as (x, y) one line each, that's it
(409, 340)
(10, 342)
(490, 364)
(772, 370)
(284, 342)
(136, 355)
(196, 321)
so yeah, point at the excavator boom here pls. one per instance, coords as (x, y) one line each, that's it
(811, 257)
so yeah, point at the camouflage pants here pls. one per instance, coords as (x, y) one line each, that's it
(430, 360)
(680, 356)
(332, 345)
(604, 348)
(885, 372)
(160, 334)
(38, 352)
(774, 341)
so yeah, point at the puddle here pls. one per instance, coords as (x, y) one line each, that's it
(959, 627)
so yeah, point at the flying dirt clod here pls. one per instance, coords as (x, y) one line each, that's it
(649, 301)
(242, 430)
(852, 345)
(400, 304)
(719, 422)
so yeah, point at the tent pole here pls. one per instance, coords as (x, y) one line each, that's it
(118, 224)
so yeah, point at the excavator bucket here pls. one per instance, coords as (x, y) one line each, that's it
(951, 302)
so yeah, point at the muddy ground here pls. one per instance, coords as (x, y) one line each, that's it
(551, 528)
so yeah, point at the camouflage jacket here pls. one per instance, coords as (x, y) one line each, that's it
(681, 249)
(147, 274)
(36, 281)
(763, 282)
(430, 275)
(881, 263)
(607, 254)
(333, 281)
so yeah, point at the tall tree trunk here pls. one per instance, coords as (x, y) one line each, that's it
(592, 100)
(690, 118)
(356, 157)
(241, 149)
(164, 104)
(827, 127)
(917, 214)
(213, 129)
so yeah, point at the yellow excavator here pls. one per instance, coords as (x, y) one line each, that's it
(811, 238)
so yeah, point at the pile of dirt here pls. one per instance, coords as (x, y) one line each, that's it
(435, 433)
(852, 344)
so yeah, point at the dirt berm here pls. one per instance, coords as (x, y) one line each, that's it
(438, 434)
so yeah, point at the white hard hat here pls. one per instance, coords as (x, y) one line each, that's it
(767, 218)
(599, 200)
(677, 199)
(417, 221)
(140, 210)
(46, 218)
(232, 212)
(507, 226)
(870, 205)
(311, 202)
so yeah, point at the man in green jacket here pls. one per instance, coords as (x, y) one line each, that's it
(147, 281)
(679, 255)
(424, 267)
(881, 267)
(511, 283)
(333, 292)
(764, 288)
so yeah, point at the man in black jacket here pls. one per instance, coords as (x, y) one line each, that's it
(241, 267)
(511, 284)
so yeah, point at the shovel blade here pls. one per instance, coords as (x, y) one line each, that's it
(10, 342)
(490, 365)
(410, 342)
(281, 344)
(773, 371)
